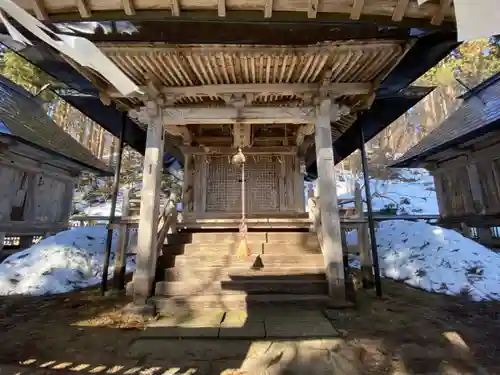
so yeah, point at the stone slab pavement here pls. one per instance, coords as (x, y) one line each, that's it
(264, 323)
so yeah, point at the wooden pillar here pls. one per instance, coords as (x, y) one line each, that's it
(121, 249)
(364, 242)
(187, 187)
(475, 188)
(298, 187)
(330, 221)
(440, 193)
(150, 207)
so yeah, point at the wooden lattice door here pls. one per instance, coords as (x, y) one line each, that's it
(224, 185)
(263, 184)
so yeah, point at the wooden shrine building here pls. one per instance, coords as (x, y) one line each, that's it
(463, 155)
(39, 166)
(289, 84)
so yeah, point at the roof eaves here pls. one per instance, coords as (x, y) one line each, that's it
(495, 78)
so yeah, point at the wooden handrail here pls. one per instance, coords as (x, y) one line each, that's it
(167, 219)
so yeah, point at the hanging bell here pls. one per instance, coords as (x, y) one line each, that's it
(238, 158)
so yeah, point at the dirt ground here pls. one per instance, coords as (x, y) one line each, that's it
(408, 331)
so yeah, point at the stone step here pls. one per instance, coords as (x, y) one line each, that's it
(306, 238)
(264, 260)
(219, 237)
(222, 249)
(256, 286)
(270, 273)
(245, 302)
(287, 248)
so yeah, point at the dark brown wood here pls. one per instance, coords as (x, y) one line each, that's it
(123, 239)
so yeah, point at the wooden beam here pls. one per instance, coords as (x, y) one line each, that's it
(438, 18)
(249, 150)
(40, 10)
(176, 9)
(331, 89)
(312, 10)
(400, 10)
(227, 115)
(128, 7)
(221, 8)
(268, 8)
(357, 8)
(83, 8)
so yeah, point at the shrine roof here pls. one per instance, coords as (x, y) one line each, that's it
(23, 117)
(478, 114)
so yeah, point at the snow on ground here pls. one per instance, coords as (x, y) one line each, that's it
(435, 259)
(70, 260)
(421, 255)
(411, 192)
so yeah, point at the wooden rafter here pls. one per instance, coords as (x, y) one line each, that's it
(39, 10)
(400, 10)
(176, 9)
(357, 8)
(268, 8)
(59, 9)
(221, 8)
(83, 8)
(128, 7)
(312, 9)
(438, 17)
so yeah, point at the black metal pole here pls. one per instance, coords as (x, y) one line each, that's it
(114, 198)
(371, 225)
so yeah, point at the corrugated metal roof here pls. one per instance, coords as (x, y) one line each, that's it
(23, 116)
(476, 112)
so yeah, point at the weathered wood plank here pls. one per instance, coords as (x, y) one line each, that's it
(330, 220)
(378, 8)
(400, 10)
(334, 88)
(150, 204)
(128, 7)
(357, 8)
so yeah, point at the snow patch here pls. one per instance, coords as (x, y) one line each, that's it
(68, 261)
(435, 259)
(410, 191)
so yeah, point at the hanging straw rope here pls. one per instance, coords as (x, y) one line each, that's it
(243, 248)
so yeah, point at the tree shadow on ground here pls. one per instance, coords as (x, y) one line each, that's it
(407, 332)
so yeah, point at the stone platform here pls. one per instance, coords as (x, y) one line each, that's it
(265, 323)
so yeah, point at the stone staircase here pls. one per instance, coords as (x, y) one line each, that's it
(202, 269)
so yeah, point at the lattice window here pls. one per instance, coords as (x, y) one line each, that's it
(262, 183)
(223, 186)
(261, 180)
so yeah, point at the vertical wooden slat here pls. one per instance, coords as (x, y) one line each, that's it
(357, 8)
(439, 16)
(400, 10)
(83, 8)
(221, 8)
(176, 11)
(203, 186)
(268, 8)
(312, 10)
(128, 7)
(282, 187)
(39, 10)
(123, 237)
(363, 242)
